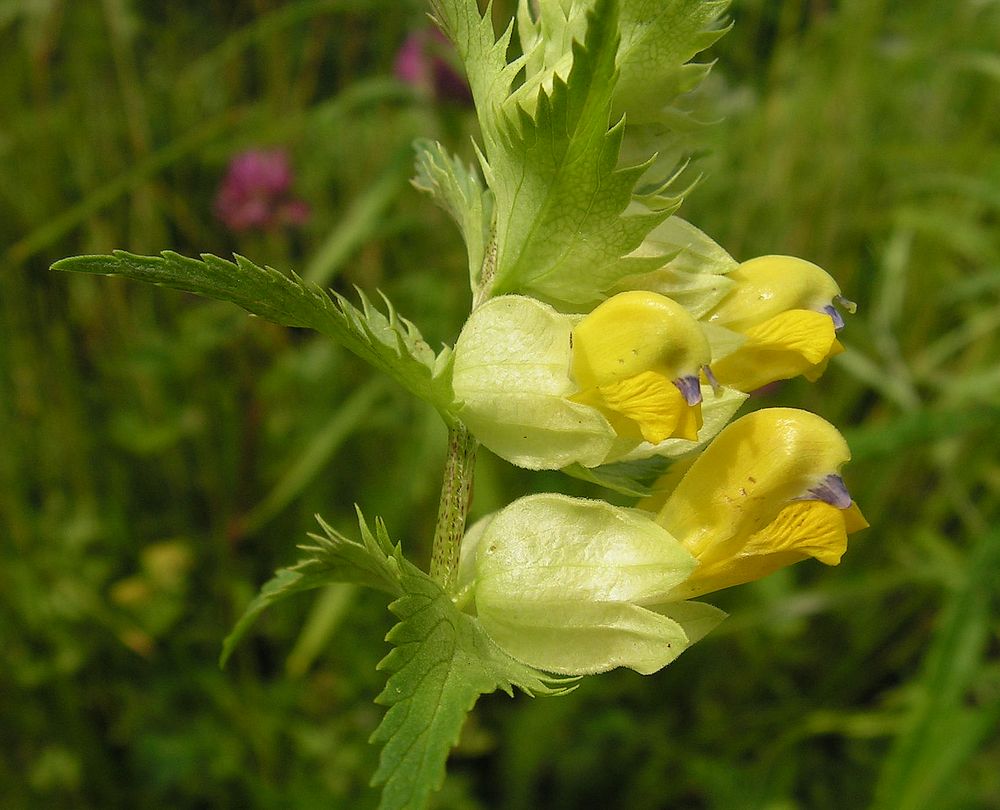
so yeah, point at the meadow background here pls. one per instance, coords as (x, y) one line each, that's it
(161, 455)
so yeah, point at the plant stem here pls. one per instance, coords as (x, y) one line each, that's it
(456, 495)
(460, 466)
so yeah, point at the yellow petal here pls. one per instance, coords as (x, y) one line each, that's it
(769, 285)
(854, 520)
(795, 342)
(802, 529)
(810, 528)
(634, 332)
(750, 471)
(651, 405)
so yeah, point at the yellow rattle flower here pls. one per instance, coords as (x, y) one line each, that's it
(766, 493)
(784, 307)
(545, 389)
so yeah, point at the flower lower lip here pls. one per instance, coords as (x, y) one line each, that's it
(690, 388)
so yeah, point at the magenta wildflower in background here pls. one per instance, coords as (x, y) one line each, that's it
(256, 193)
(423, 63)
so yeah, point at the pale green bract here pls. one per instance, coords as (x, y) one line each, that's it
(458, 190)
(693, 273)
(512, 383)
(658, 40)
(578, 586)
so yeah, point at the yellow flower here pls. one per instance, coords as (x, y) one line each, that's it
(766, 493)
(546, 389)
(784, 308)
(636, 358)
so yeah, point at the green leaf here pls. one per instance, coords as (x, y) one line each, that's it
(547, 32)
(458, 190)
(389, 342)
(563, 234)
(659, 37)
(440, 664)
(658, 40)
(374, 563)
(483, 54)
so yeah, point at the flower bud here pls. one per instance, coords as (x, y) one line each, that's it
(766, 493)
(784, 307)
(575, 587)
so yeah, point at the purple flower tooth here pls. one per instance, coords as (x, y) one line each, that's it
(831, 490)
(838, 319)
(690, 388)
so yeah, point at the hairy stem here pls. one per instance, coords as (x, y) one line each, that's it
(482, 291)
(456, 495)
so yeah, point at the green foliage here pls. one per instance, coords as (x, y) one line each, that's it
(563, 225)
(334, 558)
(658, 41)
(457, 189)
(389, 343)
(563, 234)
(441, 662)
(941, 731)
(862, 136)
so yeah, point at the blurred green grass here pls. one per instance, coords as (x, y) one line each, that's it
(160, 455)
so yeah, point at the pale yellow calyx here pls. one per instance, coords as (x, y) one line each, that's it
(759, 498)
(794, 342)
(577, 587)
(769, 285)
(636, 358)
